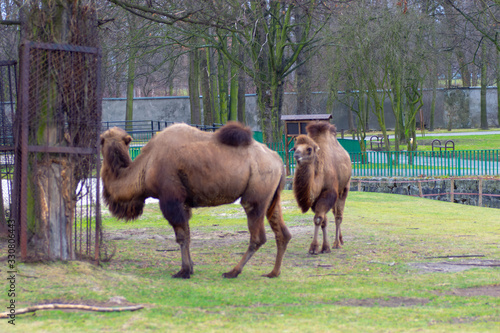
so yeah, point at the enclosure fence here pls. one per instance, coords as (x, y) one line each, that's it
(8, 97)
(457, 163)
(479, 191)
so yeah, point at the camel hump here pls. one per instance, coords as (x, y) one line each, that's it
(234, 134)
(317, 128)
(304, 139)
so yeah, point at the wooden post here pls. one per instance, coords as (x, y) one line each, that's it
(452, 190)
(480, 200)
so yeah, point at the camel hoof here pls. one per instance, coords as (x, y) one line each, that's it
(314, 249)
(271, 275)
(182, 274)
(230, 275)
(337, 245)
(326, 249)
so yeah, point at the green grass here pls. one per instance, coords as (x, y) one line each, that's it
(383, 234)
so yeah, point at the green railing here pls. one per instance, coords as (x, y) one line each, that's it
(279, 148)
(134, 151)
(426, 163)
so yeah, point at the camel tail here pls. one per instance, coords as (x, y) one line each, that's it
(277, 195)
(129, 210)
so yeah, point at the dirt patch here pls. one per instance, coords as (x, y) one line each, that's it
(453, 266)
(492, 290)
(199, 239)
(391, 302)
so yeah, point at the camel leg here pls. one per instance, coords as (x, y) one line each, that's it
(255, 215)
(314, 248)
(183, 238)
(178, 216)
(324, 203)
(337, 244)
(326, 245)
(339, 213)
(282, 235)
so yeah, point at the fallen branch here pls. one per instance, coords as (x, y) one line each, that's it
(71, 307)
(334, 274)
(457, 256)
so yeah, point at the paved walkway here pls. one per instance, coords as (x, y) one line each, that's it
(427, 133)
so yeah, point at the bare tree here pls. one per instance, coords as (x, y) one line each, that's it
(484, 16)
(265, 29)
(385, 51)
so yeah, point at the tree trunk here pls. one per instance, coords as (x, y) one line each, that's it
(265, 111)
(223, 87)
(498, 87)
(302, 73)
(379, 111)
(131, 62)
(233, 93)
(241, 89)
(212, 76)
(484, 84)
(464, 69)
(269, 100)
(303, 88)
(194, 92)
(433, 102)
(129, 106)
(205, 88)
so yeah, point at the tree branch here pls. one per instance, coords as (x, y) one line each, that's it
(34, 308)
(9, 22)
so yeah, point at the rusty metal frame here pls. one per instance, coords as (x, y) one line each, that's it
(22, 147)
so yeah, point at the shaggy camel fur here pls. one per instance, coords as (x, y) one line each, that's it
(322, 179)
(184, 167)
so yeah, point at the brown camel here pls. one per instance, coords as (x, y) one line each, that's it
(322, 179)
(184, 167)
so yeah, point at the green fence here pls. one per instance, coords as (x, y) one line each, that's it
(426, 163)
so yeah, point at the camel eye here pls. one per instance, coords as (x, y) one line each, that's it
(309, 150)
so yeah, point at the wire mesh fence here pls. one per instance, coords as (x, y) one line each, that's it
(8, 96)
(59, 124)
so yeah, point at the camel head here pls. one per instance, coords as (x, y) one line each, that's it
(114, 149)
(305, 150)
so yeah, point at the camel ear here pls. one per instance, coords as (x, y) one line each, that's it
(102, 139)
(127, 139)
